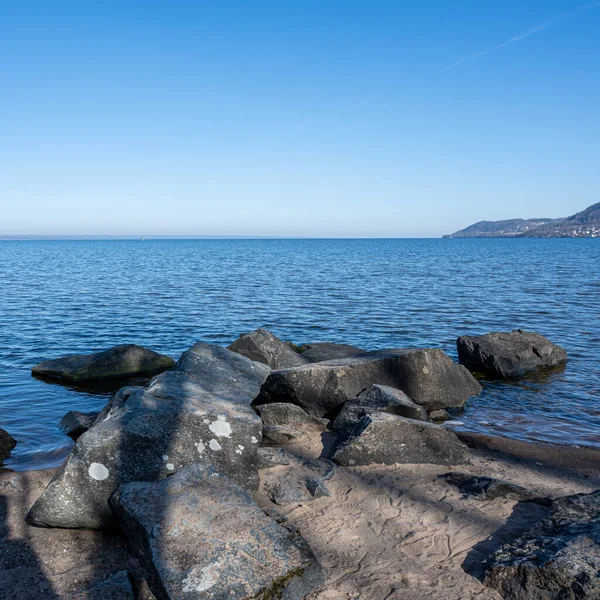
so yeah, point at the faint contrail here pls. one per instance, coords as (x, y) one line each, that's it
(524, 34)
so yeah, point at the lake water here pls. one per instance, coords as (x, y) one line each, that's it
(65, 297)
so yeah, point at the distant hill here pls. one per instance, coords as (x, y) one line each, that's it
(583, 224)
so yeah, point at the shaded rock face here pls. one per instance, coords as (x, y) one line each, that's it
(326, 351)
(199, 412)
(74, 423)
(381, 438)
(7, 443)
(381, 398)
(264, 347)
(283, 413)
(558, 559)
(119, 361)
(429, 377)
(201, 536)
(509, 354)
(487, 488)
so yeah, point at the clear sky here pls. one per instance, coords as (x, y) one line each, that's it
(330, 118)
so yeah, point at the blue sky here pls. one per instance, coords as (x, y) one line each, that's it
(331, 118)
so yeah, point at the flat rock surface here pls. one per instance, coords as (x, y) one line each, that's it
(264, 347)
(429, 378)
(509, 354)
(387, 439)
(203, 537)
(116, 362)
(198, 412)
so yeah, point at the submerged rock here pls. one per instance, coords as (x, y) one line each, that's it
(557, 559)
(380, 398)
(509, 354)
(262, 346)
(382, 438)
(76, 423)
(119, 361)
(199, 412)
(429, 377)
(201, 536)
(7, 443)
(319, 352)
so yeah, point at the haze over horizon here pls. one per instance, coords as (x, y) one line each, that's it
(343, 119)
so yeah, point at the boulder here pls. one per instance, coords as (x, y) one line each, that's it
(488, 488)
(198, 412)
(381, 398)
(386, 439)
(557, 559)
(116, 362)
(284, 413)
(509, 354)
(75, 423)
(201, 536)
(440, 415)
(7, 443)
(277, 435)
(326, 351)
(429, 377)
(264, 347)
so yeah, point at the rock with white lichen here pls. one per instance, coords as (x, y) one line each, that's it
(429, 377)
(200, 536)
(198, 412)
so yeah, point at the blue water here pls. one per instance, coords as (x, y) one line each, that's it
(64, 297)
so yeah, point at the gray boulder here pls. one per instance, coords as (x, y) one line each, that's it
(283, 413)
(429, 377)
(557, 559)
(7, 443)
(509, 354)
(277, 435)
(117, 587)
(381, 438)
(75, 423)
(381, 398)
(439, 416)
(264, 347)
(199, 412)
(319, 352)
(201, 536)
(119, 361)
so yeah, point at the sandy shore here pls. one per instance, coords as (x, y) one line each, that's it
(385, 533)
